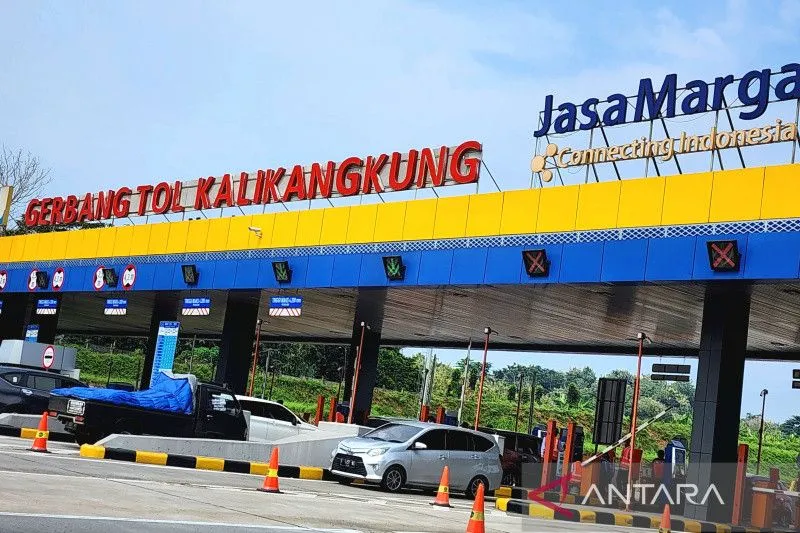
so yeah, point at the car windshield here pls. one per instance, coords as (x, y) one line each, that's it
(393, 433)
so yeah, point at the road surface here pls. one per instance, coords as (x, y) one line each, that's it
(61, 492)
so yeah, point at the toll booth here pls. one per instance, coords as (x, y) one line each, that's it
(450, 418)
(675, 459)
(577, 443)
(39, 355)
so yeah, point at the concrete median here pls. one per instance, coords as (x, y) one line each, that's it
(310, 449)
(93, 451)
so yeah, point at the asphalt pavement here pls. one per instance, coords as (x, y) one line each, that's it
(62, 492)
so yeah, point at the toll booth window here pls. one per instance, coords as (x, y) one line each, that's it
(482, 444)
(45, 383)
(460, 441)
(14, 378)
(434, 439)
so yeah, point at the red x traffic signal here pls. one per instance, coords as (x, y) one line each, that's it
(536, 263)
(723, 256)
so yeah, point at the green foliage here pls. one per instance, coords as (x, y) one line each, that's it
(573, 395)
(792, 426)
(512, 393)
(398, 372)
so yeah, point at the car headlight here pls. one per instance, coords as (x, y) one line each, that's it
(374, 452)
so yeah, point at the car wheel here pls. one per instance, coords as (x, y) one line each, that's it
(393, 479)
(472, 488)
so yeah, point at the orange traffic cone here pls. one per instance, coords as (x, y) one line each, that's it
(665, 527)
(443, 494)
(475, 524)
(271, 481)
(40, 442)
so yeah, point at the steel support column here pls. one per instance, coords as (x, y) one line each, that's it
(718, 397)
(238, 334)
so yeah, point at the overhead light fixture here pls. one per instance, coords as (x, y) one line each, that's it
(283, 274)
(394, 268)
(190, 274)
(42, 279)
(723, 256)
(536, 263)
(110, 277)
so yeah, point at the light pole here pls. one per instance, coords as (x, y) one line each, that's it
(357, 370)
(487, 332)
(464, 382)
(641, 337)
(255, 358)
(763, 395)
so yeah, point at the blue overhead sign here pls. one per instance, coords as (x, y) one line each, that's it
(46, 306)
(285, 305)
(286, 302)
(196, 306)
(166, 343)
(116, 306)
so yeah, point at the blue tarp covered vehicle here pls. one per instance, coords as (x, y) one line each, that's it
(174, 406)
(167, 392)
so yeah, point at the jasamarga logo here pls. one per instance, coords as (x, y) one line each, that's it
(752, 90)
(652, 494)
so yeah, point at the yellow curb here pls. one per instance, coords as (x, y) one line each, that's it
(93, 452)
(310, 472)
(210, 463)
(151, 458)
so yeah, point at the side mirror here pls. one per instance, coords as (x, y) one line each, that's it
(420, 446)
(294, 421)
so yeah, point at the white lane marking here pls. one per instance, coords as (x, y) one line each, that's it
(173, 522)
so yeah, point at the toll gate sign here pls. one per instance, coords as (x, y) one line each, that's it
(196, 306)
(285, 305)
(116, 307)
(47, 306)
(166, 343)
(32, 333)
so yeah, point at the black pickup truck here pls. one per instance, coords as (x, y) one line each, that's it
(216, 415)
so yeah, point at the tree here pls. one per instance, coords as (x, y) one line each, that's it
(791, 426)
(573, 395)
(512, 393)
(396, 371)
(23, 171)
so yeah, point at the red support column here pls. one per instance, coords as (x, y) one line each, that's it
(550, 443)
(440, 415)
(738, 491)
(320, 409)
(332, 412)
(423, 414)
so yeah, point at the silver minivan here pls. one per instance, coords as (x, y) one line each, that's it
(401, 454)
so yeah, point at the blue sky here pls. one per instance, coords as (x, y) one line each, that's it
(124, 93)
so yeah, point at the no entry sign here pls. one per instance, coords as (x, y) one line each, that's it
(48, 357)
